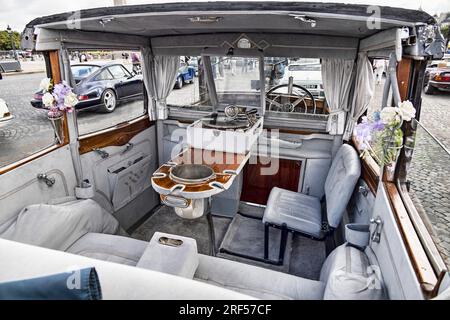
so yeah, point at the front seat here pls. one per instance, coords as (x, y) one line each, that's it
(303, 213)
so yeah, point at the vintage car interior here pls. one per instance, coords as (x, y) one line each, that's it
(249, 190)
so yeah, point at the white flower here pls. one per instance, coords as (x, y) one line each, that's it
(389, 115)
(48, 100)
(45, 84)
(408, 111)
(70, 100)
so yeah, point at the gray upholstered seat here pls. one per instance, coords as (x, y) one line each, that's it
(109, 248)
(302, 213)
(294, 209)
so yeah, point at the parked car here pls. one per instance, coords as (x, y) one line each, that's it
(186, 74)
(437, 78)
(307, 75)
(193, 62)
(5, 114)
(101, 85)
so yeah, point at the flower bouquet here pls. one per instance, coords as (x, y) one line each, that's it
(58, 99)
(381, 136)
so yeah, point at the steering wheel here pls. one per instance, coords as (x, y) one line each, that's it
(290, 98)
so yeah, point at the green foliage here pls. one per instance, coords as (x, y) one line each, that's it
(5, 40)
(387, 145)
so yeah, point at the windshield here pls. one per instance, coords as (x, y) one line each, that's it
(237, 80)
(305, 67)
(83, 71)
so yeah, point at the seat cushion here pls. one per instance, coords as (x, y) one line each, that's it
(298, 211)
(109, 248)
(255, 281)
(341, 181)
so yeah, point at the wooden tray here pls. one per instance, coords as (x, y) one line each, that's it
(226, 166)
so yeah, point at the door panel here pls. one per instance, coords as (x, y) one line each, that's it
(121, 178)
(257, 187)
(20, 187)
(396, 268)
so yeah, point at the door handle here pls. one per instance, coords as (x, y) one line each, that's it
(376, 236)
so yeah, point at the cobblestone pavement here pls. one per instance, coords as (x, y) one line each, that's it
(430, 170)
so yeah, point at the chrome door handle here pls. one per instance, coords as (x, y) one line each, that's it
(50, 182)
(376, 236)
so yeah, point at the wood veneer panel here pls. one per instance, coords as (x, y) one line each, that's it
(257, 187)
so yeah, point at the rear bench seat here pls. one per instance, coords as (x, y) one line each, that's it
(345, 275)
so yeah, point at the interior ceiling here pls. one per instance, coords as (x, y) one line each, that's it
(154, 26)
(173, 19)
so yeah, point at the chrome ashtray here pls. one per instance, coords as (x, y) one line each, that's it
(191, 174)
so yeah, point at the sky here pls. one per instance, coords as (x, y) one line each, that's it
(18, 13)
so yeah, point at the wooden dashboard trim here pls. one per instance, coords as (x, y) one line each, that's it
(116, 136)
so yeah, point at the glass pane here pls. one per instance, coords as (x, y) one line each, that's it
(307, 95)
(109, 86)
(237, 80)
(430, 184)
(190, 86)
(24, 129)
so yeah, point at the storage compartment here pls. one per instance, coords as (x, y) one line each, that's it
(232, 141)
(128, 178)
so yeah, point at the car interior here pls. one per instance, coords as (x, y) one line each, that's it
(236, 193)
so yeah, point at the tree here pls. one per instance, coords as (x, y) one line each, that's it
(5, 40)
(446, 33)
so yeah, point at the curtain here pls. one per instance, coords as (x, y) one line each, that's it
(160, 73)
(147, 73)
(337, 77)
(363, 93)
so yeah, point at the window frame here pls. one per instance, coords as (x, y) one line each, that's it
(52, 64)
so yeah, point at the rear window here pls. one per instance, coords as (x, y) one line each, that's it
(83, 71)
(305, 67)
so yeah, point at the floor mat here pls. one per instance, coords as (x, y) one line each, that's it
(165, 220)
(245, 235)
(307, 257)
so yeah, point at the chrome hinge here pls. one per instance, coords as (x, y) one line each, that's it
(102, 153)
(363, 190)
(376, 236)
(128, 147)
(48, 180)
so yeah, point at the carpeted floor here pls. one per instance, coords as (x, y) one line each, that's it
(165, 220)
(304, 257)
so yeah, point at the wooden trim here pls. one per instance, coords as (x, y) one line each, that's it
(403, 77)
(117, 136)
(370, 170)
(424, 270)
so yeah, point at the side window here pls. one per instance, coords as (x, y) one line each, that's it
(115, 95)
(104, 75)
(190, 86)
(117, 72)
(308, 94)
(24, 126)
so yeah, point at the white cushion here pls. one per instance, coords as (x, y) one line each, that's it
(349, 276)
(109, 248)
(257, 282)
(179, 261)
(298, 211)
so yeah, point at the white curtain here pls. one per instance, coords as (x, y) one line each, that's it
(147, 73)
(337, 77)
(160, 73)
(364, 91)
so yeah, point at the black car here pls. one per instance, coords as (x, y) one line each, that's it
(101, 85)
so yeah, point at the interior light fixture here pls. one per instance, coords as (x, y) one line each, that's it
(105, 20)
(305, 19)
(204, 19)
